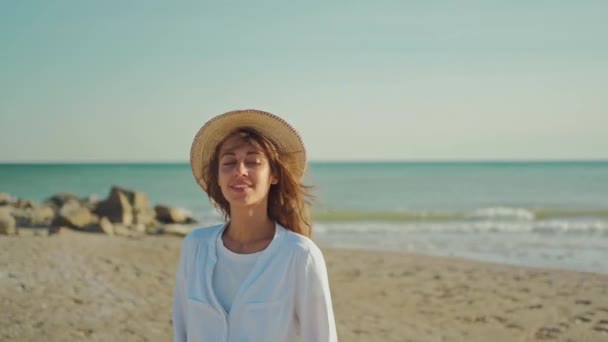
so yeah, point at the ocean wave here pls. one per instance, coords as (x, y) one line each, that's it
(481, 214)
(502, 213)
(540, 227)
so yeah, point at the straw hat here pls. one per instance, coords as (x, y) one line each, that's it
(283, 135)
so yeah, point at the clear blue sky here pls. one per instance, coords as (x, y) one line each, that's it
(361, 80)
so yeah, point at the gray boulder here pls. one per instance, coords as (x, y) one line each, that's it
(173, 215)
(140, 203)
(127, 207)
(7, 222)
(6, 199)
(147, 217)
(73, 215)
(106, 226)
(154, 230)
(116, 207)
(25, 204)
(126, 231)
(176, 229)
(58, 200)
(23, 217)
(42, 216)
(138, 227)
(38, 216)
(90, 202)
(137, 200)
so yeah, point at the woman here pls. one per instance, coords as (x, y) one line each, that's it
(257, 277)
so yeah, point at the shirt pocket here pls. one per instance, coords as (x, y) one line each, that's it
(267, 321)
(203, 322)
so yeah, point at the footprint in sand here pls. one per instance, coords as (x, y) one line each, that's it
(582, 319)
(602, 326)
(554, 331)
(547, 333)
(514, 326)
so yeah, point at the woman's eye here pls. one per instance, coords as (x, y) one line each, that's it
(228, 163)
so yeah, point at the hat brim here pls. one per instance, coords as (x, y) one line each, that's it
(282, 134)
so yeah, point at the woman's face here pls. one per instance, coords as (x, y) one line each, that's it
(243, 173)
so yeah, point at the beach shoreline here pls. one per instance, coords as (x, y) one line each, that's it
(88, 286)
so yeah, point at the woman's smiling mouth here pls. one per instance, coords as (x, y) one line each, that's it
(240, 187)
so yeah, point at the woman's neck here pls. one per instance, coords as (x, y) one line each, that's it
(249, 226)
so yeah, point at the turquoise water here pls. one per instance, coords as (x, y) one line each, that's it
(463, 186)
(368, 187)
(534, 213)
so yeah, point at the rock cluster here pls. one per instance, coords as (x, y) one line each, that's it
(124, 213)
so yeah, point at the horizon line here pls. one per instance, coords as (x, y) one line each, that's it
(317, 161)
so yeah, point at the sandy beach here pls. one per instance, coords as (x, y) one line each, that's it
(76, 286)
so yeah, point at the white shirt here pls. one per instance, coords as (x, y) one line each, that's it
(230, 272)
(285, 295)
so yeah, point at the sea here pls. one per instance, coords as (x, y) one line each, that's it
(533, 213)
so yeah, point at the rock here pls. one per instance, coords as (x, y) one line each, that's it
(22, 231)
(145, 216)
(7, 222)
(122, 230)
(172, 215)
(42, 216)
(54, 229)
(90, 202)
(138, 200)
(59, 200)
(38, 216)
(23, 217)
(176, 229)
(6, 199)
(154, 230)
(139, 228)
(127, 207)
(73, 215)
(106, 226)
(116, 208)
(25, 204)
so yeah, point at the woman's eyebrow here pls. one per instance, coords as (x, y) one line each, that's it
(231, 153)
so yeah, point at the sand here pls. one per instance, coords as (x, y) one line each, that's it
(77, 286)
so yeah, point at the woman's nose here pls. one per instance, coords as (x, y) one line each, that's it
(240, 169)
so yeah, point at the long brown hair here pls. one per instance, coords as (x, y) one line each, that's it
(289, 200)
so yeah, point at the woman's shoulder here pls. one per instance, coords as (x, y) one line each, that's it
(302, 245)
(204, 233)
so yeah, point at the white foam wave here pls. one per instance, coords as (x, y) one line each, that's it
(548, 226)
(502, 213)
